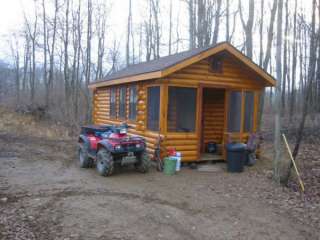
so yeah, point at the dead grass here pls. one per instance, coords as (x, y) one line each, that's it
(26, 124)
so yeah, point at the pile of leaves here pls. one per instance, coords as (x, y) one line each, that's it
(308, 163)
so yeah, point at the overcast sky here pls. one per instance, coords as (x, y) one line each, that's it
(11, 18)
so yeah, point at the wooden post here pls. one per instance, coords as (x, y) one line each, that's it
(293, 162)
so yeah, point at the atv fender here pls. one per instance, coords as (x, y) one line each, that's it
(105, 144)
(83, 139)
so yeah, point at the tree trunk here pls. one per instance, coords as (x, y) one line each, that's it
(267, 58)
(248, 26)
(129, 26)
(277, 104)
(216, 23)
(285, 62)
(294, 63)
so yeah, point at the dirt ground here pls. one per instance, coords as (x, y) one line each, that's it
(45, 195)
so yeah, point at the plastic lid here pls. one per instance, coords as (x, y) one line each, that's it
(236, 147)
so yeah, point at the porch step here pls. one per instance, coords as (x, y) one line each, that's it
(210, 157)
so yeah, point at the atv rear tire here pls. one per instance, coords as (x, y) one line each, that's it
(105, 164)
(143, 163)
(84, 160)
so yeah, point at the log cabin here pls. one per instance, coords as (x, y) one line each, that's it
(191, 98)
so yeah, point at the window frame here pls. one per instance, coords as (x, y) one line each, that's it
(147, 108)
(124, 103)
(243, 110)
(195, 127)
(228, 111)
(245, 121)
(130, 104)
(113, 90)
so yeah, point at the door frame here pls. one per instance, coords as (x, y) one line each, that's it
(200, 114)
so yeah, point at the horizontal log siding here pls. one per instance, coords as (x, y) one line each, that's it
(101, 114)
(233, 75)
(186, 143)
(101, 106)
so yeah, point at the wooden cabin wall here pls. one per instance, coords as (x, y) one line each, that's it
(101, 112)
(233, 75)
(101, 106)
(186, 143)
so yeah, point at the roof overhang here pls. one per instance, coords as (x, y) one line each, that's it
(269, 80)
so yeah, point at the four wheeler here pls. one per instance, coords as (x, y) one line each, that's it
(109, 146)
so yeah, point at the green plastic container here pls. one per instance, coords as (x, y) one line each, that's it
(169, 166)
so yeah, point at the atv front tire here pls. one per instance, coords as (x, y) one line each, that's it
(143, 163)
(105, 164)
(84, 160)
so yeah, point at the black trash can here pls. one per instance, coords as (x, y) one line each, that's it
(236, 156)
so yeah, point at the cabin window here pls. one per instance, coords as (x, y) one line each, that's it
(133, 98)
(234, 114)
(216, 64)
(153, 108)
(182, 109)
(113, 107)
(122, 102)
(249, 111)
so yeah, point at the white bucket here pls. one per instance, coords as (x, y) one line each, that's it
(178, 158)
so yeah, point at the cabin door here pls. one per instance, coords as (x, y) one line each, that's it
(212, 121)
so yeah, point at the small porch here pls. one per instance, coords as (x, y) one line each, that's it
(192, 118)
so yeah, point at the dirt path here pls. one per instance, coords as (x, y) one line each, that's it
(44, 195)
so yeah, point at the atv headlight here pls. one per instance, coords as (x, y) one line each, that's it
(117, 147)
(138, 145)
(123, 131)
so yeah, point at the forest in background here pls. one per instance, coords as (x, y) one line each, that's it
(66, 44)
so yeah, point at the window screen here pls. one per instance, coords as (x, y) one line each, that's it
(133, 103)
(122, 103)
(234, 114)
(153, 108)
(182, 109)
(113, 110)
(249, 111)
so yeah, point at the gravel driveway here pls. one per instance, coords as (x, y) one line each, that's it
(44, 195)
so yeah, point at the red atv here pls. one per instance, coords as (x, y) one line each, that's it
(108, 146)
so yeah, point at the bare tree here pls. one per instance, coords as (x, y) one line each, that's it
(88, 58)
(170, 29)
(101, 29)
(192, 41)
(217, 22)
(267, 56)
(261, 33)
(26, 60)
(285, 56)
(66, 56)
(48, 84)
(32, 31)
(294, 62)
(277, 104)
(45, 48)
(129, 32)
(156, 12)
(14, 44)
(227, 20)
(248, 26)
